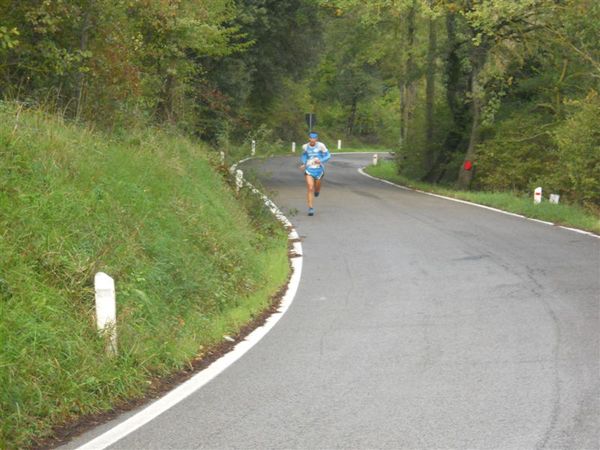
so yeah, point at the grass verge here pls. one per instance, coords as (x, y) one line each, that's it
(561, 214)
(192, 262)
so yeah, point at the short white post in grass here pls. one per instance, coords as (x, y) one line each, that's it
(375, 159)
(537, 195)
(293, 147)
(554, 198)
(222, 157)
(239, 179)
(339, 144)
(253, 147)
(106, 310)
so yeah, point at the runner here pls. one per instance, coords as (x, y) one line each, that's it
(314, 156)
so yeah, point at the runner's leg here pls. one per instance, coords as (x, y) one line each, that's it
(318, 186)
(310, 189)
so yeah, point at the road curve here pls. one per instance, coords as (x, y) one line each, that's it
(418, 323)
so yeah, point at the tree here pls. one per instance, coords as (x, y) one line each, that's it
(456, 83)
(430, 89)
(97, 57)
(246, 87)
(347, 76)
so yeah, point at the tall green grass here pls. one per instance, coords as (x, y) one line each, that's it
(562, 214)
(191, 261)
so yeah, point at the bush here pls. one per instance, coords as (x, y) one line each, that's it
(517, 158)
(578, 151)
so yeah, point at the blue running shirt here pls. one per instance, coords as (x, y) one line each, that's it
(308, 158)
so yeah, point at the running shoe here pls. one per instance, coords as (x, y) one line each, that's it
(317, 194)
(311, 211)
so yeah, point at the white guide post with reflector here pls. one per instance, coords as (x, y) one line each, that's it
(537, 195)
(106, 310)
(239, 179)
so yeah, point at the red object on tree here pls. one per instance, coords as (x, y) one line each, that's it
(468, 165)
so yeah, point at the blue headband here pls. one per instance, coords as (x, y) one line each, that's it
(313, 135)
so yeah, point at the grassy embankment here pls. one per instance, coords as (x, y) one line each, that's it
(191, 261)
(562, 213)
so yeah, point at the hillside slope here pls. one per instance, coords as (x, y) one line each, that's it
(191, 262)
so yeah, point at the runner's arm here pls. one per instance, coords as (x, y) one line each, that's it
(326, 155)
(303, 159)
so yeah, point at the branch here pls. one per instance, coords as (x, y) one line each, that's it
(583, 54)
(529, 137)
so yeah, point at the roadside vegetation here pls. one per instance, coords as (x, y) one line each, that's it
(561, 214)
(192, 262)
(510, 86)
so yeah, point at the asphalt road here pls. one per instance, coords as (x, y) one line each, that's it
(419, 323)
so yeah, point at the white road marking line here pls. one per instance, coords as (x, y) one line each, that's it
(362, 172)
(540, 221)
(576, 230)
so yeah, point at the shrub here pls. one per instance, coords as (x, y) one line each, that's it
(517, 158)
(578, 151)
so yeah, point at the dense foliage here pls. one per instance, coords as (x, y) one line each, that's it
(207, 66)
(510, 85)
(502, 83)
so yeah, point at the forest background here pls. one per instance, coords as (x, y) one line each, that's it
(510, 85)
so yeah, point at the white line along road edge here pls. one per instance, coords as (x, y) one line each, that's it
(197, 381)
(362, 172)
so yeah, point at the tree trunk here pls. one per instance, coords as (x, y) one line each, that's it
(352, 116)
(83, 46)
(169, 105)
(407, 86)
(479, 54)
(430, 95)
(457, 87)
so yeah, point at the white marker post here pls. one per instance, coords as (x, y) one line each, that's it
(106, 310)
(339, 144)
(554, 198)
(253, 147)
(239, 179)
(293, 147)
(537, 195)
(375, 159)
(222, 154)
